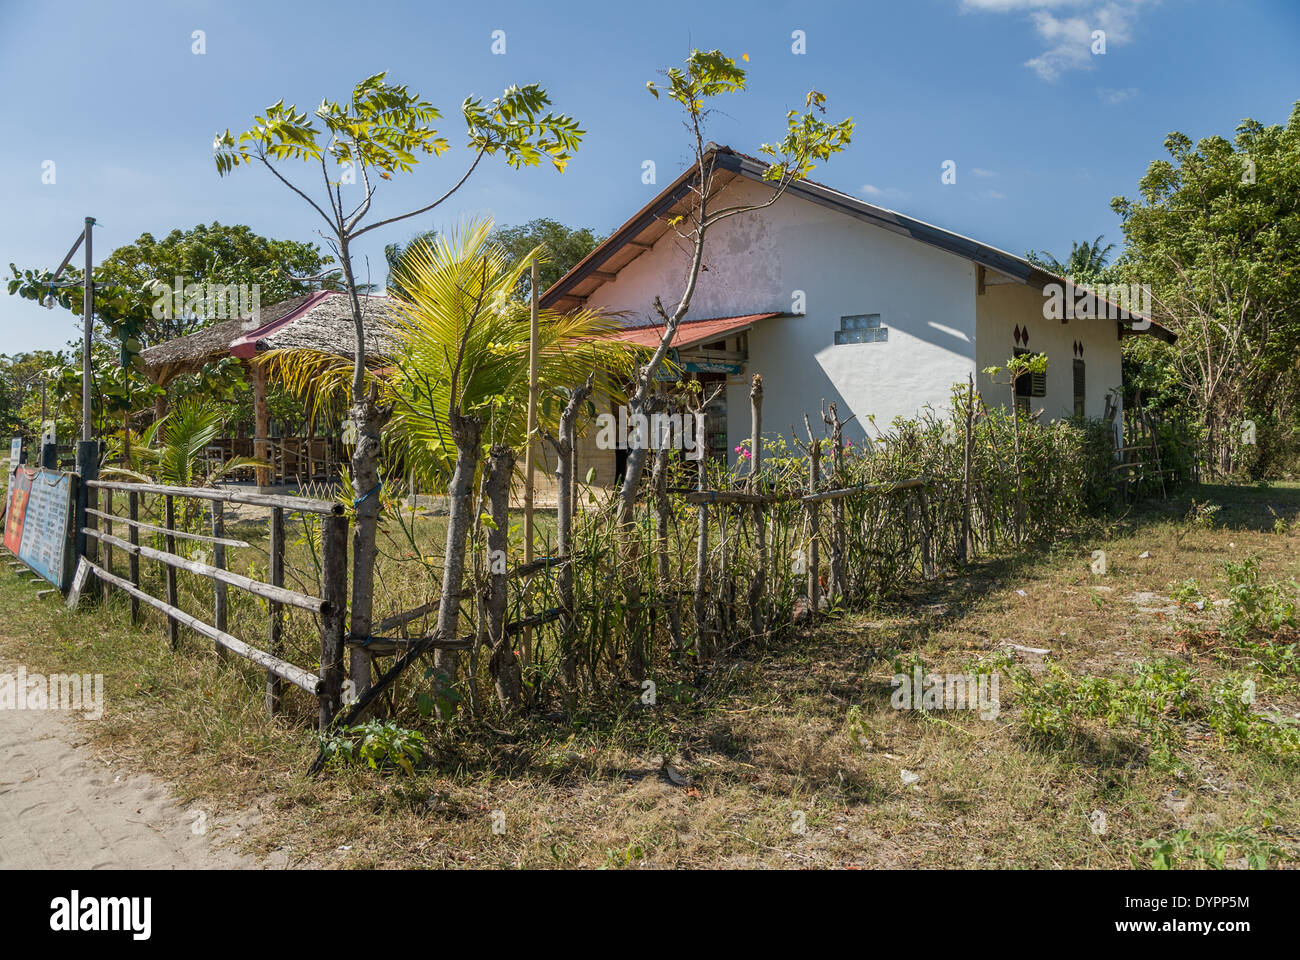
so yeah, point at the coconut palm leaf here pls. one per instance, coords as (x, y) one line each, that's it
(457, 287)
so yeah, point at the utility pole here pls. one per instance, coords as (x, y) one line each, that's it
(87, 314)
(530, 460)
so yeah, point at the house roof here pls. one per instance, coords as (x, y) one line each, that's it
(690, 333)
(320, 321)
(649, 223)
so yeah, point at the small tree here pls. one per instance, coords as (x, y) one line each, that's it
(808, 139)
(374, 135)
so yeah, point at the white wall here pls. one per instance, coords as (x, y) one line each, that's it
(756, 262)
(1002, 307)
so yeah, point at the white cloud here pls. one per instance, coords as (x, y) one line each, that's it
(981, 172)
(1069, 35)
(993, 195)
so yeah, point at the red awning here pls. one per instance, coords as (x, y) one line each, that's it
(691, 332)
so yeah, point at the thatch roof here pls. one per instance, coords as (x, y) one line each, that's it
(320, 321)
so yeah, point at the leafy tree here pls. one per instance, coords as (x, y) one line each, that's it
(215, 254)
(808, 140)
(376, 133)
(562, 248)
(1217, 236)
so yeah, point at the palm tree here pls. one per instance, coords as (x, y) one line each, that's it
(456, 287)
(1086, 259)
(173, 450)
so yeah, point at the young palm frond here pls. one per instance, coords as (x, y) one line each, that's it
(186, 435)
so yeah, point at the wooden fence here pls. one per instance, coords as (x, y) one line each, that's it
(331, 606)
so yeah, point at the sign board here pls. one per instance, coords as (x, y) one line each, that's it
(15, 453)
(48, 435)
(38, 522)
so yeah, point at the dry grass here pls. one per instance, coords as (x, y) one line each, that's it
(724, 767)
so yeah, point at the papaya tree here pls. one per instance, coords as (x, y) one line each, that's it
(808, 140)
(381, 131)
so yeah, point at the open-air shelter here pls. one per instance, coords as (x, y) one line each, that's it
(320, 322)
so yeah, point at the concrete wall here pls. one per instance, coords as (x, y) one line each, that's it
(1002, 307)
(756, 263)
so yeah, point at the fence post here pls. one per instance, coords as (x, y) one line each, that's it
(966, 549)
(927, 546)
(219, 561)
(87, 470)
(814, 523)
(758, 586)
(169, 521)
(275, 637)
(108, 548)
(704, 646)
(334, 591)
(133, 510)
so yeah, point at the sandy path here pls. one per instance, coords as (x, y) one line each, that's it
(61, 807)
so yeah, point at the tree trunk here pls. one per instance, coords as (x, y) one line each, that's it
(503, 665)
(666, 586)
(466, 431)
(369, 418)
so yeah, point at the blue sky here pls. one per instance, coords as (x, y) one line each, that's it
(1043, 132)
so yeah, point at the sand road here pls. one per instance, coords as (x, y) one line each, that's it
(62, 807)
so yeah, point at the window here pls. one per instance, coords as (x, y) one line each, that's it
(1079, 391)
(861, 328)
(1030, 384)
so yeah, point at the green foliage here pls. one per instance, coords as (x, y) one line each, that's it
(1156, 703)
(808, 139)
(385, 125)
(1183, 848)
(380, 745)
(1216, 236)
(1258, 607)
(173, 449)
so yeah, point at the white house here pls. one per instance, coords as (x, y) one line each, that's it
(829, 297)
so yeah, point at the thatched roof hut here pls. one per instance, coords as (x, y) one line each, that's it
(320, 321)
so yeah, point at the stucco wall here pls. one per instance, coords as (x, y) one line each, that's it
(756, 262)
(1002, 307)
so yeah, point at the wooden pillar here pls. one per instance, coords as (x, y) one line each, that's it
(261, 422)
(334, 590)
